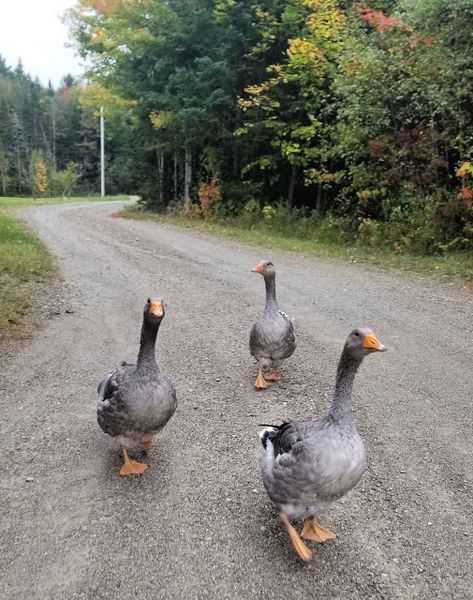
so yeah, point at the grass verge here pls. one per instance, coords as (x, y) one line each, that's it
(25, 263)
(450, 266)
(13, 202)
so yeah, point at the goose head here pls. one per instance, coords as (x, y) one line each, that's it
(361, 342)
(153, 310)
(265, 268)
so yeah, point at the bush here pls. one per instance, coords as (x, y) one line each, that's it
(191, 211)
(235, 196)
(407, 223)
(210, 197)
(64, 182)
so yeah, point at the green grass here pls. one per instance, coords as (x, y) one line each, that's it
(450, 266)
(12, 202)
(25, 263)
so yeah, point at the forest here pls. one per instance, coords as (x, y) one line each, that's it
(49, 139)
(304, 112)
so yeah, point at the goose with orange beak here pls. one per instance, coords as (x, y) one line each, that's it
(308, 465)
(136, 401)
(272, 337)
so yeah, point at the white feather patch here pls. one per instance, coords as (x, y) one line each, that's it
(266, 430)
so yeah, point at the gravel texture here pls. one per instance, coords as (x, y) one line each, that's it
(197, 524)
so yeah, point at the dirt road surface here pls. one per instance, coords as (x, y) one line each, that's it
(197, 524)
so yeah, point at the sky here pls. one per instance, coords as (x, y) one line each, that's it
(32, 30)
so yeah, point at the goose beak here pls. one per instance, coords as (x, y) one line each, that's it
(372, 343)
(156, 309)
(259, 268)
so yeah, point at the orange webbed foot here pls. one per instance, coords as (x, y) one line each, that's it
(314, 531)
(261, 383)
(131, 467)
(273, 375)
(298, 545)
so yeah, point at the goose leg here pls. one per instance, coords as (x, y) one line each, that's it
(131, 467)
(298, 545)
(314, 531)
(273, 375)
(260, 383)
(147, 445)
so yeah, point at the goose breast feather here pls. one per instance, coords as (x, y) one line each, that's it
(309, 465)
(272, 337)
(134, 404)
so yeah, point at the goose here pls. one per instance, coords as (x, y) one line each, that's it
(136, 401)
(308, 465)
(272, 336)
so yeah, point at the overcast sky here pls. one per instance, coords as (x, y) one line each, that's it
(32, 30)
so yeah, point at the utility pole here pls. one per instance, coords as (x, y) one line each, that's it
(102, 154)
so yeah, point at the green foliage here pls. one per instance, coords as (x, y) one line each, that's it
(65, 181)
(359, 112)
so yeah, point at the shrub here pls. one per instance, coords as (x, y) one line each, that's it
(65, 181)
(209, 197)
(191, 211)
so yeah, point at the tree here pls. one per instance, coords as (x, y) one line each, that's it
(161, 61)
(361, 110)
(292, 108)
(65, 181)
(39, 175)
(55, 122)
(4, 165)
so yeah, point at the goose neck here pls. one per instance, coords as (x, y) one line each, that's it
(271, 303)
(341, 410)
(146, 355)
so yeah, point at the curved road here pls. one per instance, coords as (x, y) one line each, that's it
(198, 524)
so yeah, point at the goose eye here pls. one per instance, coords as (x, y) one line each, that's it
(357, 333)
(148, 301)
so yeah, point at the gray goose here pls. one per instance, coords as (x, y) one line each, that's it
(136, 401)
(272, 336)
(308, 465)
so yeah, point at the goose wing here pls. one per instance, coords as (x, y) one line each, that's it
(282, 437)
(286, 316)
(257, 343)
(111, 407)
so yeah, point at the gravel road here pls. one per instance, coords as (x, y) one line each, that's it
(198, 524)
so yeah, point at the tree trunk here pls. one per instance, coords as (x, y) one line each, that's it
(53, 119)
(4, 183)
(318, 205)
(18, 168)
(236, 159)
(174, 177)
(187, 175)
(292, 182)
(236, 164)
(160, 157)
